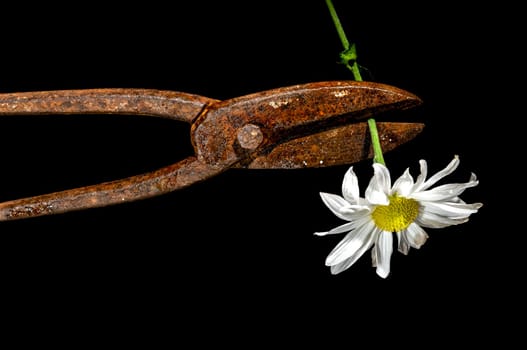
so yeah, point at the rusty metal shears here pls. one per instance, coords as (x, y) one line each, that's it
(310, 125)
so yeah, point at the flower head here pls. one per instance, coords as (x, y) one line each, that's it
(403, 208)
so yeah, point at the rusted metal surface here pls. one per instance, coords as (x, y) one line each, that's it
(310, 125)
(170, 178)
(291, 112)
(345, 145)
(166, 104)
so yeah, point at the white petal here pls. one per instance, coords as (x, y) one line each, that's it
(415, 235)
(403, 244)
(451, 210)
(344, 265)
(382, 174)
(338, 268)
(335, 269)
(403, 185)
(442, 173)
(338, 205)
(374, 258)
(445, 192)
(422, 176)
(456, 200)
(383, 252)
(339, 229)
(350, 187)
(353, 245)
(379, 186)
(431, 220)
(377, 197)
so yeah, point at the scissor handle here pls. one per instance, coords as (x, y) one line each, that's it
(170, 178)
(159, 103)
(166, 104)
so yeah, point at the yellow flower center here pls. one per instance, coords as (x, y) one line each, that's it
(397, 215)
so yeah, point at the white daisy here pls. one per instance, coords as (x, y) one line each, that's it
(403, 208)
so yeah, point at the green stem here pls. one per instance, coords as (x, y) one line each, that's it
(354, 68)
(338, 25)
(376, 144)
(350, 53)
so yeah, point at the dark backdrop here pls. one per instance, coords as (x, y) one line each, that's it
(235, 256)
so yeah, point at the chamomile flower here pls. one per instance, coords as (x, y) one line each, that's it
(403, 208)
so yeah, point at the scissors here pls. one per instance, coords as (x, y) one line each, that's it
(316, 124)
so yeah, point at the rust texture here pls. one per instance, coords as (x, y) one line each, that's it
(167, 179)
(344, 145)
(310, 125)
(291, 112)
(166, 104)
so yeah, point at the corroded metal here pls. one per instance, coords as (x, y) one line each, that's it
(170, 178)
(166, 104)
(310, 125)
(344, 145)
(291, 112)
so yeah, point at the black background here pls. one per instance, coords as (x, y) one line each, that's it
(235, 256)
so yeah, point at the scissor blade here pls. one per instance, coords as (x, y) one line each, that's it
(344, 145)
(244, 128)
